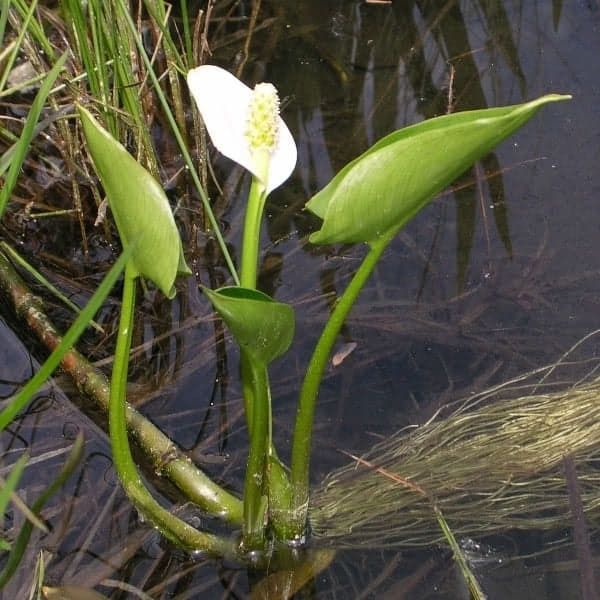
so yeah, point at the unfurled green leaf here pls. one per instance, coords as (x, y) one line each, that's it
(261, 326)
(139, 206)
(377, 193)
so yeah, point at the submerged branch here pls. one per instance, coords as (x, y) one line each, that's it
(164, 455)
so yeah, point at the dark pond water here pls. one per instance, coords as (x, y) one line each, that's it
(499, 276)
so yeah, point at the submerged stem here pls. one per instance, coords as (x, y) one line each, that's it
(301, 445)
(169, 525)
(266, 481)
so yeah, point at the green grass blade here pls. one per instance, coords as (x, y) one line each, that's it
(28, 132)
(16, 257)
(157, 11)
(11, 482)
(17, 47)
(101, 61)
(4, 7)
(127, 84)
(36, 30)
(175, 60)
(20, 544)
(20, 400)
(187, 34)
(86, 23)
(74, 15)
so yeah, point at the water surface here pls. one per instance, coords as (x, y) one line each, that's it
(497, 276)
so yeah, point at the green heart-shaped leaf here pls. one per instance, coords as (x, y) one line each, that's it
(378, 192)
(261, 326)
(139, 206)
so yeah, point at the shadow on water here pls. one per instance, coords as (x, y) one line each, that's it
(498, 276)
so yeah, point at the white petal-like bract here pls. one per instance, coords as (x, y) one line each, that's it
(223, 101)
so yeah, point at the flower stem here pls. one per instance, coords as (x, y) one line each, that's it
(169, 525)
(255, 500)
(248, 278)
(266, 484)
(301, 445)
(251, 235)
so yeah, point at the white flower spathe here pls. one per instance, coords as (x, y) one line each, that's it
(239, 119)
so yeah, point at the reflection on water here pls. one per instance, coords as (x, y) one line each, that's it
(498, 275)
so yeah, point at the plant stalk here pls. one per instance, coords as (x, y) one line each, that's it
(301, 445)
(255, 499)
(251, 234)
(169, 525)
(260, 486)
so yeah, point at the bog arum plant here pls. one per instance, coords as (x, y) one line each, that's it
(369, 201)
(245, 126)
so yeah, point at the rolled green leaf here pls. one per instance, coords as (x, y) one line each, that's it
(378, 192)
(139, 206)
(261, 326)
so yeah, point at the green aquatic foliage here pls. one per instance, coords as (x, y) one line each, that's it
(261, 326)
(377, 193)
(140, 208)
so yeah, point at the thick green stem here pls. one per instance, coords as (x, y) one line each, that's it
(251, 235)
(247, 388)
(266, 483)
(249, 270)
(169, 525)
(257, 395)
(255, 501)
(301, 445)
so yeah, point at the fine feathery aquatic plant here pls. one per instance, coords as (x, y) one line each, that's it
(369, 201)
